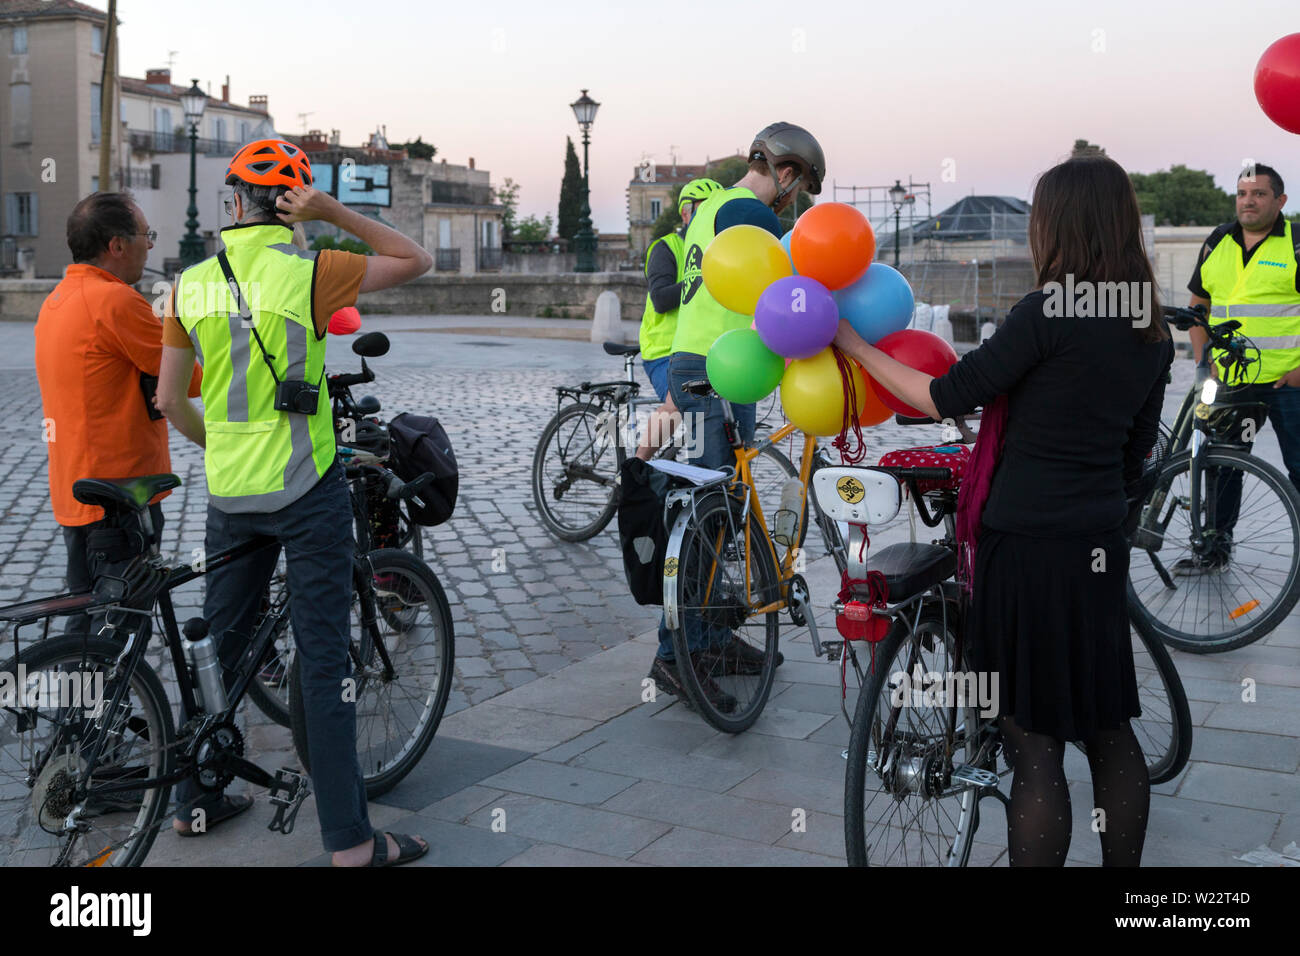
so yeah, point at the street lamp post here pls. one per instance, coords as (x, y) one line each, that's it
(192, 102)
(900, 197)
(584, 109)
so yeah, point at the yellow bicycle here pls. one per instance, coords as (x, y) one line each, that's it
(727, 578)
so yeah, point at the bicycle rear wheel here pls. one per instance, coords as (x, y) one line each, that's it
(45, 746)
(1185, 595)
(725, 651)
(769, 470)
(269, 688)
(397, 713)
(900, 806)
(575, 472)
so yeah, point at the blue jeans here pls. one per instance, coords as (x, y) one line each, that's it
(1284, 413)
(707, 437)
(316, 534)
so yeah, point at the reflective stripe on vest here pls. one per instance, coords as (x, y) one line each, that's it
(658, 328)
(700, 320)
(1261, 296)
(257, 459)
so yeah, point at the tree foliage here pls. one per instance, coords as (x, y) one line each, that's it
(346, 244)
(1180, 196)
(570, 211)
(727, 171)
(532, 229)
(418, 149)
(668, 218)
(507, 194)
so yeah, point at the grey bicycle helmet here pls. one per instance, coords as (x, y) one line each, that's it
(787, 143)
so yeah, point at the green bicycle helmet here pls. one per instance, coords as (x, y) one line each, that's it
(697, 190)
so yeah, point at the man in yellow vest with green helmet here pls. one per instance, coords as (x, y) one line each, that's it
(1247, 271)
(664, 267)
(784, 159)
(256, 314)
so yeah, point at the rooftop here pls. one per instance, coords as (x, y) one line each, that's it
(170, 91)
(48, 9)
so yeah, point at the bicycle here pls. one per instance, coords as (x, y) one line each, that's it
(1207, 575)
(92, 787)
(726, 580)
(920, 741)
(581, 451)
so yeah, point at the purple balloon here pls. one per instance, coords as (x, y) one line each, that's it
(796, 317)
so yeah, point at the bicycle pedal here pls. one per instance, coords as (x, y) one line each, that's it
(834, 650)
(288, 791)
(973, 776)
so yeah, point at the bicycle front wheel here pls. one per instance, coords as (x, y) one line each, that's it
(902, 806)
(575, 472)
(404, 620)
(1242, 579)
(725, 642)
(47, 741)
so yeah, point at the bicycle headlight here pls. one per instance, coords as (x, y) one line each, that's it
(1209, 390)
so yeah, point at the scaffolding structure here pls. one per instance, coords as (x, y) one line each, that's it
(973, 257)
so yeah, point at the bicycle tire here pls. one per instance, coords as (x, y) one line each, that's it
(269, 688)
(1216, 637)
(694, 554)
(769, 494)
(382, 773)
(151, 721)
(601, 506)
(1164, 760)
(866, 734)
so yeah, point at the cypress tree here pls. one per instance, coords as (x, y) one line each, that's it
(570, 194)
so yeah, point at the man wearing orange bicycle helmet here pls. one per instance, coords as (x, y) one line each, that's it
(268, 435)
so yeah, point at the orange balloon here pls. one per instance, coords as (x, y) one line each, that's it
(875, 411)
(832, 243)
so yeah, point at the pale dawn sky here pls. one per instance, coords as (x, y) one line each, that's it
(993, 92)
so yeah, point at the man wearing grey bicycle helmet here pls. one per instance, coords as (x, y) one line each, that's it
(784, 159)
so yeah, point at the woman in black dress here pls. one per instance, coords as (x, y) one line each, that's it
(1082, 362)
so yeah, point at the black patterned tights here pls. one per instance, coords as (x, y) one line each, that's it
(1038, 820)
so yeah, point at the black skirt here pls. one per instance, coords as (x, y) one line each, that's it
(1049, 617)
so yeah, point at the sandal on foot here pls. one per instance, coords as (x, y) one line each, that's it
(226, 808)
(407, 850)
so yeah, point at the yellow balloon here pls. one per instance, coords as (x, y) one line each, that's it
(740, 263)
(812, 393)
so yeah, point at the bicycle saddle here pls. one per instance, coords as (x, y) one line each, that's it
(613, 348)
(911, 567)
(133, 493)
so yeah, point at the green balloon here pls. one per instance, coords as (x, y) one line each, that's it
(741, 368)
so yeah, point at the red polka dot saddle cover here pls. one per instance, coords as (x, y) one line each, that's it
(954, 457)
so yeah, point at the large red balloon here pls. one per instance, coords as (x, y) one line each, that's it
(918, 349)
(1277, 82)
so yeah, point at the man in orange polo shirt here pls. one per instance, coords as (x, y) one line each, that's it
(98, 350)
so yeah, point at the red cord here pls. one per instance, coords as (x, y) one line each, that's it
(849, 454)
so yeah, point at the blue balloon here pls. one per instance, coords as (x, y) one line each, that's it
(785, 244)
(878, 304)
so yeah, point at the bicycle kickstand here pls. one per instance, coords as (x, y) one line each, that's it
(288, 791)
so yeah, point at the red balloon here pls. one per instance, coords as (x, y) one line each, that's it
(1277, 82)
(918, 349)
(345, 321)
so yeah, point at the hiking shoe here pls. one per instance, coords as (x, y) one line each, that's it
(736, 658)
(664, 674)
(718, 698)
(1196, 566)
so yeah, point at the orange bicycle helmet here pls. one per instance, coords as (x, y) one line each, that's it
(269, 162)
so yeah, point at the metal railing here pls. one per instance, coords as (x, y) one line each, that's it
(489, 259)
(137, 177)
(447, 260)
(151, 141)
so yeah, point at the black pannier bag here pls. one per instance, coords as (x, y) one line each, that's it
(642, 533)
(420, 444)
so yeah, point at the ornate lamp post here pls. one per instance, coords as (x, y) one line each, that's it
(584, 109)
(896, 195)
(192, 102)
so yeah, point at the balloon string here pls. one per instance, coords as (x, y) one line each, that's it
(850, 454)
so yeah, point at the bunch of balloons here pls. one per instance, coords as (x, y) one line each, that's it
(797, 288)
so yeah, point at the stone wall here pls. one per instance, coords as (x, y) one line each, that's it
(571, 295)
(20, 299)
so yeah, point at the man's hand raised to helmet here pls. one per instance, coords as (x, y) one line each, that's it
(304, 204)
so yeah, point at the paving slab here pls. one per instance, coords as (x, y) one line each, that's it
(583, 828)
(558, 781)
(703, 810)
(685, 847)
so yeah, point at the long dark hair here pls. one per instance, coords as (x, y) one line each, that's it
(1085, 223)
